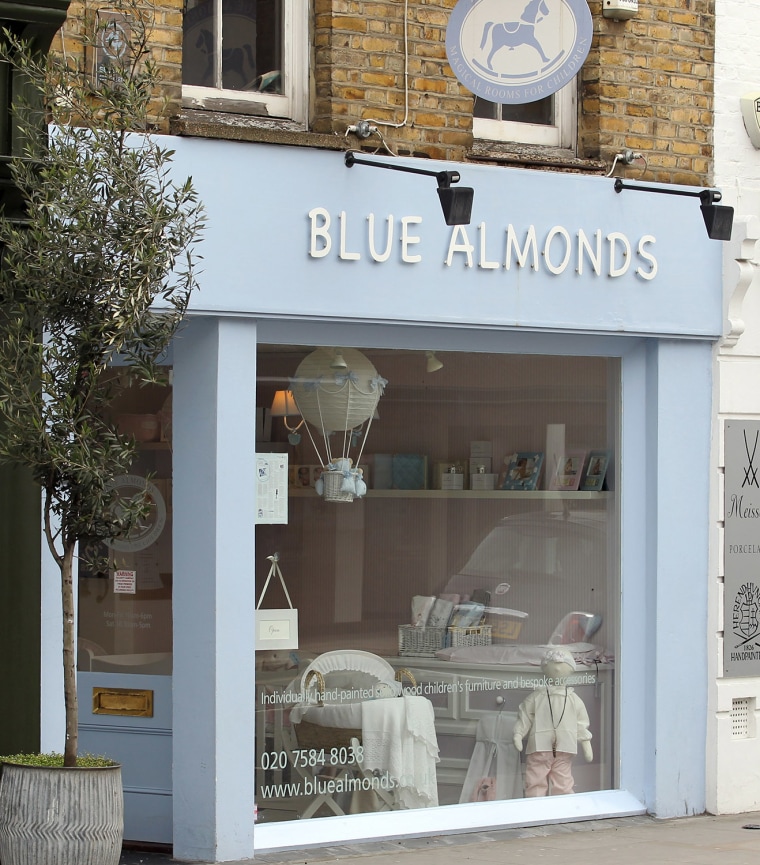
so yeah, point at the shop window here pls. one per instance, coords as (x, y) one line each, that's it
(247, 56)
(125, 587)
(550, 122)
(487, 538)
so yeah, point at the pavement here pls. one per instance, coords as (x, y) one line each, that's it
(705, 840)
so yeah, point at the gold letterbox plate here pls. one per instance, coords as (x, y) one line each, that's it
(122, 701)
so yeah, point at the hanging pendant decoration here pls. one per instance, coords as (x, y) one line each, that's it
(337, 392)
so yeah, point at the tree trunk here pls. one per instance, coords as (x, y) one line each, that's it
(69, 657)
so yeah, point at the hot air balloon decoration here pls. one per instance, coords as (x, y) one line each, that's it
(337, 392)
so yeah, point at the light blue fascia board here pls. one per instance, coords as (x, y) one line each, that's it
(417, 337)
(262, 256)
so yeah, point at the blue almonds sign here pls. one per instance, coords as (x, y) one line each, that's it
(518, 51)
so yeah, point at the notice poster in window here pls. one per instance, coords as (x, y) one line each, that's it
(124, 582)
(272, 488)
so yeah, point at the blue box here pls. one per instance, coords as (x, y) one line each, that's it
(409, 472)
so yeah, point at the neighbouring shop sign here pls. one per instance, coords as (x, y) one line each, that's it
(741, 602)
(518, 51)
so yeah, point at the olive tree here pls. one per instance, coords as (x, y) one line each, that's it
(98, 272)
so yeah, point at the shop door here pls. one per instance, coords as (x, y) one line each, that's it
(125, 632)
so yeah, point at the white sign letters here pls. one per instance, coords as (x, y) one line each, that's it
(556, 250)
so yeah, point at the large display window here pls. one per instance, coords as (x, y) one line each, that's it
(458, 622)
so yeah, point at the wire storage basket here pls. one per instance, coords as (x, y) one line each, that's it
(420, 642)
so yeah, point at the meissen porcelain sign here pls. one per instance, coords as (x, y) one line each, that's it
(554, 250)
(518, 51)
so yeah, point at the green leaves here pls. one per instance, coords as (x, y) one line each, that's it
(101, 273)
(55, 761)
(87, 281)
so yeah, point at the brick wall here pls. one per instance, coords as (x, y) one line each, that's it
(166, 48)
(359, 71)
(646, 85)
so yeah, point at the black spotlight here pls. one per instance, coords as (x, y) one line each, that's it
(456, 202)
(719, 218)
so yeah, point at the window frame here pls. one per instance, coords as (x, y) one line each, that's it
(561, 133)
(292, 104)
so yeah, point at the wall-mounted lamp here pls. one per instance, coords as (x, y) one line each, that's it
(433, 364)
(338, 361)
(284, 406)
(718, 218)
(456, 202)
(620, 10)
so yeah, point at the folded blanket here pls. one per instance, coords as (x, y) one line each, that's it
(398, 736)
(584, 654)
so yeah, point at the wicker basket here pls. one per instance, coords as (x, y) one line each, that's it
(420, 642)
(318, 737)
(314, 736)
(477, 636)
(333, 481)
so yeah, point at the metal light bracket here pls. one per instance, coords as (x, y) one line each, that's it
(456, 202)
(718, 218)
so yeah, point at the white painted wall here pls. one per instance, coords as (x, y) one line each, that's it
(733, 764)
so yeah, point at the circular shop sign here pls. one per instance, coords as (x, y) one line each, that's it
(148, 531)
(518, 51)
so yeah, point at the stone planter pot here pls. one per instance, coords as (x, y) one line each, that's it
(57, 816)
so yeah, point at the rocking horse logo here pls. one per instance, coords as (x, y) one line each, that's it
(511, 34)
(517, 51)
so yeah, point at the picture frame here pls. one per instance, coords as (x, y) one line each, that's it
(568, 472)
(523, 471)
(595, 470)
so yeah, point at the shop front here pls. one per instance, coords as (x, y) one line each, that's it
(500, 618)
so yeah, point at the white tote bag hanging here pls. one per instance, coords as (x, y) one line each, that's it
(276, 629)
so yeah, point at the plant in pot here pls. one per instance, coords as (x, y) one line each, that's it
(98, 273)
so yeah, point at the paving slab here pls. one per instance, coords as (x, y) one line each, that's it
(701, 840)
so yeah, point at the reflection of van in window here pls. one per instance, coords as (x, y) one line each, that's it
(553, 564)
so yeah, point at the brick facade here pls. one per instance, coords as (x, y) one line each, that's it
(647, 84)
(166, 48)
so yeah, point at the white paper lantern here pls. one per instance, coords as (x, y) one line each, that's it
(336, 389)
